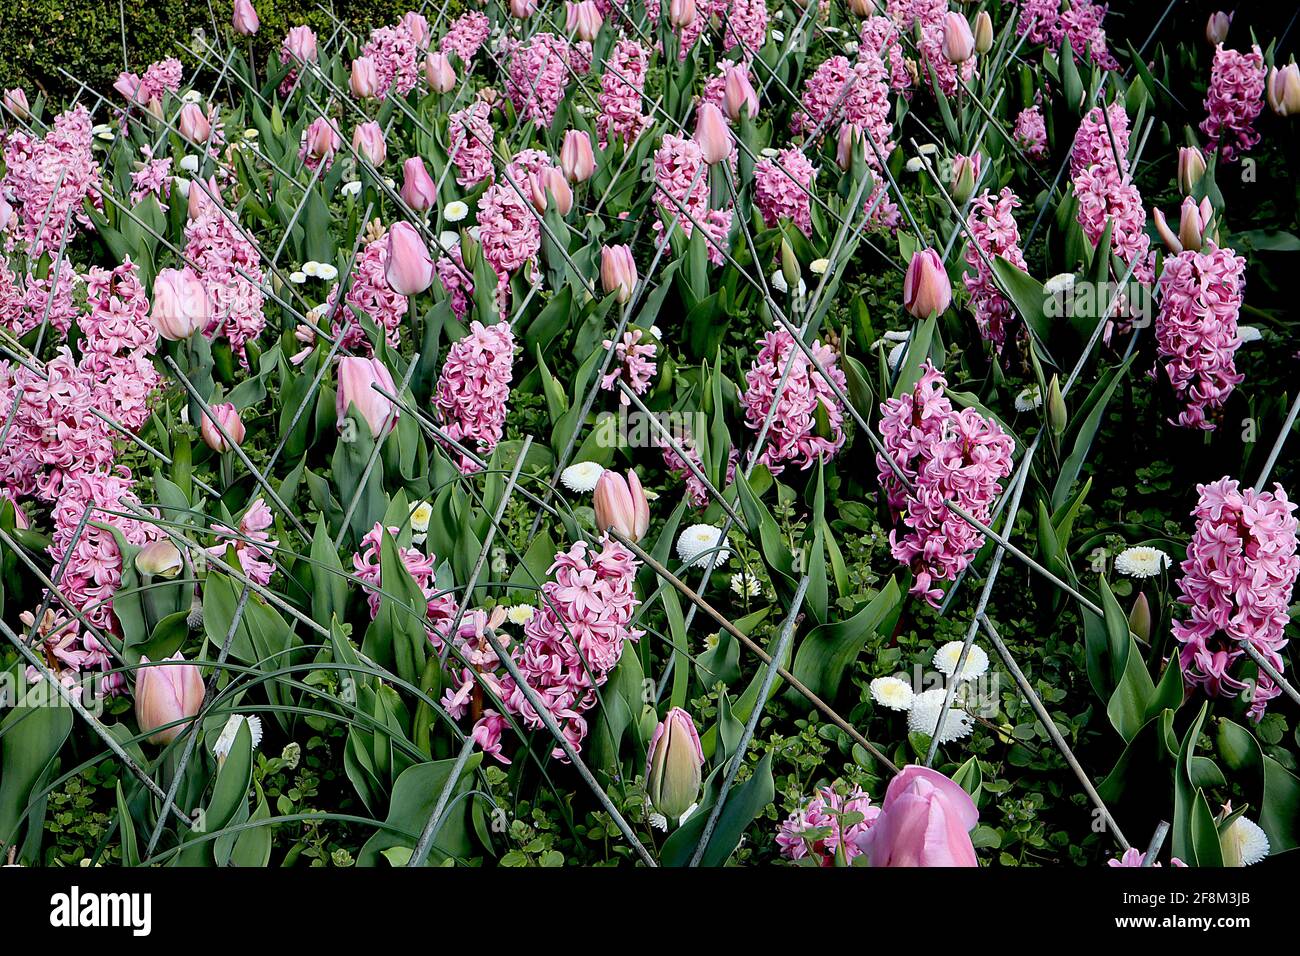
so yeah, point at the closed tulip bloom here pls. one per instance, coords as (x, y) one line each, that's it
(674, 764)
(1284, 90)
(618, 271)
(1191, 167)
(925, 820)
(322, 139)
(200, 196)
(681, 13)
(365, 78)
(550, 182)
(368, 141)
(128, 85)
(621, 504)
(1216, 28)
(180, 304)
(1139, 619)
(583, 18)
(926, 288)
(862, 8)
(712, 134)
(958, 42)
(356, 376)
(245, 19)
(438, 71)
(301, 44)
(850, 136)
(193, 123)
(166, 693)
(409, 269)
(227, 417)
(983, 32)
(738, 96)
(576, 156)
(159, 559)
(523, 9)
(1194, 223)
(965, 174)
(418, 189)
(15, 102)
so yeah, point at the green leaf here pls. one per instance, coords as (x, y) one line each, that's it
(829, 649)
(415, 794)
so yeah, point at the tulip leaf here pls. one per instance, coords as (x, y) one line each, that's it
(830, 649)
(415, 795)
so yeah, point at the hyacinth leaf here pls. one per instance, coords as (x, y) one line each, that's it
(776, 553)
(621, 699)
(415, 795)
(1027, 295)
(31, 735)
(830, 649)
(229, 794)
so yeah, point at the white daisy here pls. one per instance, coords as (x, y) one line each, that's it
(326, 272)
(745, 585)
(1062, 282)
(1244, 843)
(780, 285)
(390, 182)
(351, 189)
(581, 478)
(226, 740)
(297, 278)
(697, 543)
(520, 614)
(915, 164)
(657, 332)
(851, 47)
(455, 211)
(928, 149)
(421, 512)
(711, 641)
(251, 134)
(448, 240)
(1141, 562)
(659, 822)
(1029, 399)
(819, 266)
(923, 716)
(896, 356)
(311, 267)
(767, 152)
(946, 657)
(1249, 333)
(892, 692)
(190, 164)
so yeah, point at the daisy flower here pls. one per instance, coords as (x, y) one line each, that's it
(746, 585)
(1029, 399)
(226, 740)
(894, 693)
(520, 613)
(1141, 562)
(924, 715)
(455, 211)
(1244, 843)
(581, 478)
(697, 543)
(946, 657)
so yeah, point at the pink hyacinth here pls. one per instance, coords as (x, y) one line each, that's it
(371, 296)
(119, 339)
(791, 436)
(1101, 139)
(252, 546)
(839, 91)
(229, 263)
(1045, 22)
(777, 192)
(508, 229)
(1233, 101)
(27, 300)
(995, 232)
(366, 564)
(634, 363)
(746, 27)
(466, 35)
(47, 180)
(825, 811)
(681, 180)
(619, 100)
(1196, 329)
(538, 76)
(471, 143)
(474, 389)
(1237, 580)
(397, 60)
(696, 490)
(689, 34)
(928, 16)
(959, 457)
(1030, 132)
(153, 178)
(148, 89)
(881, 36)
(1105, 189)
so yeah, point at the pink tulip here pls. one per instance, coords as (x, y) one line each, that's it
(128, 85)
(738, 96)
(958, 41)
(356, 376)
(301, 44)
(227, 417)
(926, 288)
(417, 26)
(166, 693)
(965, 174)
(681, 13)
(550, 182)
(523, 9)
(438, 71)
(6, 215)
(199, 199)
(193, 123)
(322, 139)
(1216, 27)
(365, 78)
(418, 189)
(1284, 90)
(925, 820)
(368, 141)
(245, 19)
(674, 764)
(862, 8)
(621, 504)
(576, 157)
(409, 269)
(1193, 222)
(1191, 167)
(618, 271)
(159, 558)
(712, 134)
(850, 136)
(15, 102)
(583, 18)
(180, 304)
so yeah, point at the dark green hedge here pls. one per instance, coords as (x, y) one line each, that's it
(84, 37)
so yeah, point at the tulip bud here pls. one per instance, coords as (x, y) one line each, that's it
(583, 17)
(924, 820)
(15, 101)
(159, 559)
(850, 136)
(674, 764)
(1284, 90)
(965, 174)
(738, 95)
(1166, 234)
(1139, 619)
(193, 123)
(244, 19)
(227, 417)
(862, 8)
(926, 288)
(1057, 416)
(180, 304)
(356, 376)
(321, 139)
(576, 158)
(1216, 28)
(983, 32)
(199, 196)
(417, 26)
(621, 504)
(418, 189)
(409, 268)
(365, 78)
(790, 270)
(1191, 167)
(550, 181)
(958, 42)
(712, 134)
(300, 42)
(523, 9)
(618, 271)
(681, 13)
(438, 71)
(166, 693)
(368, 141)
(1193, 222)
